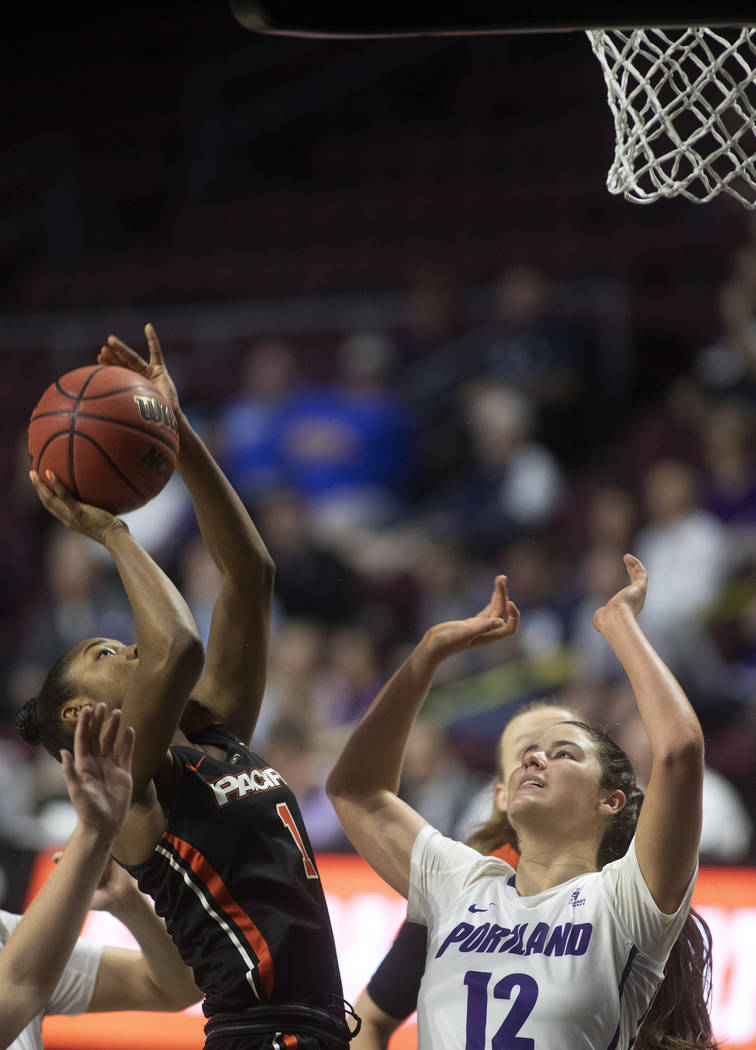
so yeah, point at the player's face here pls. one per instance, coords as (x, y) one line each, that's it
(558, 780)
(102, 669)
(521, 731)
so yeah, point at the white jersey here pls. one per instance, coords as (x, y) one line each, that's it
(575, 967)
(73, 992)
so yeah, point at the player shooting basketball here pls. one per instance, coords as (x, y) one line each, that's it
(213, 834)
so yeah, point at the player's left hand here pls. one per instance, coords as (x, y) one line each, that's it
(633, 596)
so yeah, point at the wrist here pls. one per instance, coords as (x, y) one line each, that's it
(129, 907)
(96, 841)
(115, 531)
(617, 614)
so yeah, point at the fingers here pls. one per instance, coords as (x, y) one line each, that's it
(116, 352)
(156, 352)
(634, 566)
(108, 737)
(126, 749)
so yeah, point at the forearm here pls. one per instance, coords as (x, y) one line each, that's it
(38, 949)
(227, 529)
(670, 721)
(160, 612)
(162, 964)
(374, 754)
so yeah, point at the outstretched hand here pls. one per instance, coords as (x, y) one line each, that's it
(98, 774)
(92, 522)
(632, 596)
(116, 352)
(499, 619)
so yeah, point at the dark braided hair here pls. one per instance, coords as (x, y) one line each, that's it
(38, 721)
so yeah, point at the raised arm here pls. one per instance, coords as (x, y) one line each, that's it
(168, 645)
(669, 826)
(153, 978)
(99, 784)
(363, 784)
(237, 649)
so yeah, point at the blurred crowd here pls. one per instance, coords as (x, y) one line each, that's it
(457, 445)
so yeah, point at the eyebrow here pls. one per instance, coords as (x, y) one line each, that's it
(91, 645)
(556, 743)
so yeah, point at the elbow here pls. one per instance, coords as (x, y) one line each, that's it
(185, 653)
(684, 757)
(254, 576)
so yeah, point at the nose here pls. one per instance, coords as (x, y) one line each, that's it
(133, 654)
(535, 758)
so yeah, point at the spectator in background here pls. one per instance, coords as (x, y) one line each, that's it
(512, 484)
(678, 533)
(729, 482)
(291, 748)
(435, 781)
(79, 593)
(728, 365)
(313, 580)
(531, 345)
(346, 447)
(247, 427)
(435, 313)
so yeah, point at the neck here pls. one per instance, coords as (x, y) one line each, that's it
(542, 865)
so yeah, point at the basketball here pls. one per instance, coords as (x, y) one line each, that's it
(108, 436)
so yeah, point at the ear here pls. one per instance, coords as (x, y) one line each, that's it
(500, 797)
(613, 803)
(70, 711)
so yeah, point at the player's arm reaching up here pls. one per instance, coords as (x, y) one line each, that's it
(98, 780)
(236, 658)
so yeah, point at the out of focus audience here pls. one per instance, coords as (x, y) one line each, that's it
(391, 492)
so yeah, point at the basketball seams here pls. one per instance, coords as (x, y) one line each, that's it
(129, 439)
(111, 463)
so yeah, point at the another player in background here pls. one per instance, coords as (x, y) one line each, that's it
(99, 978)
(510, 956)
(213, 834)
(391, 993)
(98, 779)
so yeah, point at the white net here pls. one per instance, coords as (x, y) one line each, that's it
(684, 108)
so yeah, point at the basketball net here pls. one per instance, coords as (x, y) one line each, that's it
(684, 108)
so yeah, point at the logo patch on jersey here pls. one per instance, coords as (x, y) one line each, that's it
(474, 907)
(565, 939)
(231, 786)
(576, 901)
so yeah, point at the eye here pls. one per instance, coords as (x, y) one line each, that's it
(105, 651)
(563, 754)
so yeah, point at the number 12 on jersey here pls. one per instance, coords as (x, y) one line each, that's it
(506, 1038)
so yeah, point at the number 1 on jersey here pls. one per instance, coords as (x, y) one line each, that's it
(288, 820)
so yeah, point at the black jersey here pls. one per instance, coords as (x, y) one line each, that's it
(235, 880)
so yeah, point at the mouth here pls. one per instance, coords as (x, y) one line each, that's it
(532, 782)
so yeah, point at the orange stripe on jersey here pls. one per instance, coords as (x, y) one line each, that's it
(218, 891)
(291, 1042)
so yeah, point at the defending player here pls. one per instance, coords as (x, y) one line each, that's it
(570, 949)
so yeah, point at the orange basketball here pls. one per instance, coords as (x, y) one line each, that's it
(108, 436)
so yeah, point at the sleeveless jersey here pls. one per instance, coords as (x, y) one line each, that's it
(574, 966)
(234, 878)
